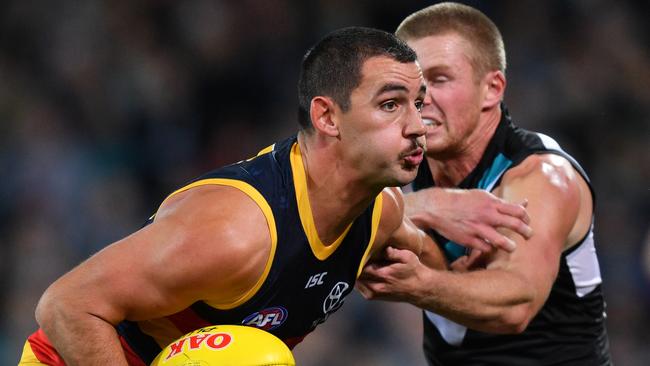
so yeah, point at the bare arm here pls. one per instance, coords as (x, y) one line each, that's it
(398, 231)
(157, 271)
(509, 292)
(468, 217)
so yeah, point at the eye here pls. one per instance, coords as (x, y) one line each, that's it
(389, 106)
(418, 105)
(439, 79)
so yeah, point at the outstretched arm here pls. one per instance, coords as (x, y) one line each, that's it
(157, 271)
(509, 292)
(468, 217)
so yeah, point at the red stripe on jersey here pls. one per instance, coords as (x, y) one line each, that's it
(292, 342)
(187, 321)
(43, 349)
(45, 352)
(131, 357)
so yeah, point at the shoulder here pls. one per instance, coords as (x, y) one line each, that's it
(203, 209)
(392, 214)
(558, 196)
(551, 168)
(222, 231)
(392, 207)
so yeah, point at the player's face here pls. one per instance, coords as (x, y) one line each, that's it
(452, 105)
(382, 132)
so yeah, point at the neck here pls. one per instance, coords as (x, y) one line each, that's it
(336, 194)
(450, 168)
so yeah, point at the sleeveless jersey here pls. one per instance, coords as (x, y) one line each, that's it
(570, 327)
(304, 281)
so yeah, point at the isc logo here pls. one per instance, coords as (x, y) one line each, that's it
(213, 341)
(267, 319)
(316, 279)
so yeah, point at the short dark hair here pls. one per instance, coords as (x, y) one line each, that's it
(332, 67)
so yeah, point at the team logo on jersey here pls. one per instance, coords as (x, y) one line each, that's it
(334, 300)
(267, 319)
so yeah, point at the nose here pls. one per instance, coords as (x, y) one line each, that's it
(428, 96)
(414, 125)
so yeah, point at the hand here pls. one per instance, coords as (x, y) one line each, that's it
(469, 217)
(466, 263)
(395, 279)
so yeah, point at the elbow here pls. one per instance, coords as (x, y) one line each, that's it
(44, 309)
(49, 308)
(515, 320)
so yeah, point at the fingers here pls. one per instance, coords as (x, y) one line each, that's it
(478, 243)
(494, 238)
(460, 264)
(364, 290)
(397, 255)
(515, 210)
(515, 218)
(369, 272)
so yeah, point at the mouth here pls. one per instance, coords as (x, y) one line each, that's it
(430, 122)
(414, 157)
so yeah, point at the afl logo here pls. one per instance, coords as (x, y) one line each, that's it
(334, 300)
(267, 319)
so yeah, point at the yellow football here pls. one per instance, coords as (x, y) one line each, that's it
(226, 345)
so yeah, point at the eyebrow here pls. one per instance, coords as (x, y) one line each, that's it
(436, 68)
(391, 87)
(398, 87)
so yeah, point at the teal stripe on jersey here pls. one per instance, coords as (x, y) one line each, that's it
(453, 250)
(499, 165)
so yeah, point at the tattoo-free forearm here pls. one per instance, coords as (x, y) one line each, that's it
(79, 337)
(494, 300)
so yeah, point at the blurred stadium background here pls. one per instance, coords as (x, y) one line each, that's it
(105, 107)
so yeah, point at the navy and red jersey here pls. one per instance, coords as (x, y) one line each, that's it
(304, 281)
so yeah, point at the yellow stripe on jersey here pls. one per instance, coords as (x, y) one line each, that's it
(265, 150)
(256, 196)
(320, 250)
(28, 358)
(376, 215)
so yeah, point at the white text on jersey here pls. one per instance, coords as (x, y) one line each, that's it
(315, 280)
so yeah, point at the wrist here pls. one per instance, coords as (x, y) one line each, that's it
(426, 292)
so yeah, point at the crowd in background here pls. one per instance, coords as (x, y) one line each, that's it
(106, 107)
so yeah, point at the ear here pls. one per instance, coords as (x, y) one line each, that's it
(323, 116)
(496, 87)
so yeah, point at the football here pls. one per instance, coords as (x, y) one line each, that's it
(226, 345)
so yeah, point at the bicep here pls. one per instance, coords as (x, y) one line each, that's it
(553, 202)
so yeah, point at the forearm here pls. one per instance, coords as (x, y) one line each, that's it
(431, 254)
(494, 300)
(81, 338)
(423, 207)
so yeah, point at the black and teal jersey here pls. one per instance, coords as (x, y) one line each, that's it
(304, 281)
(570, 327)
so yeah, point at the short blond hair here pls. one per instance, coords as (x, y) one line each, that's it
(489, 53)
